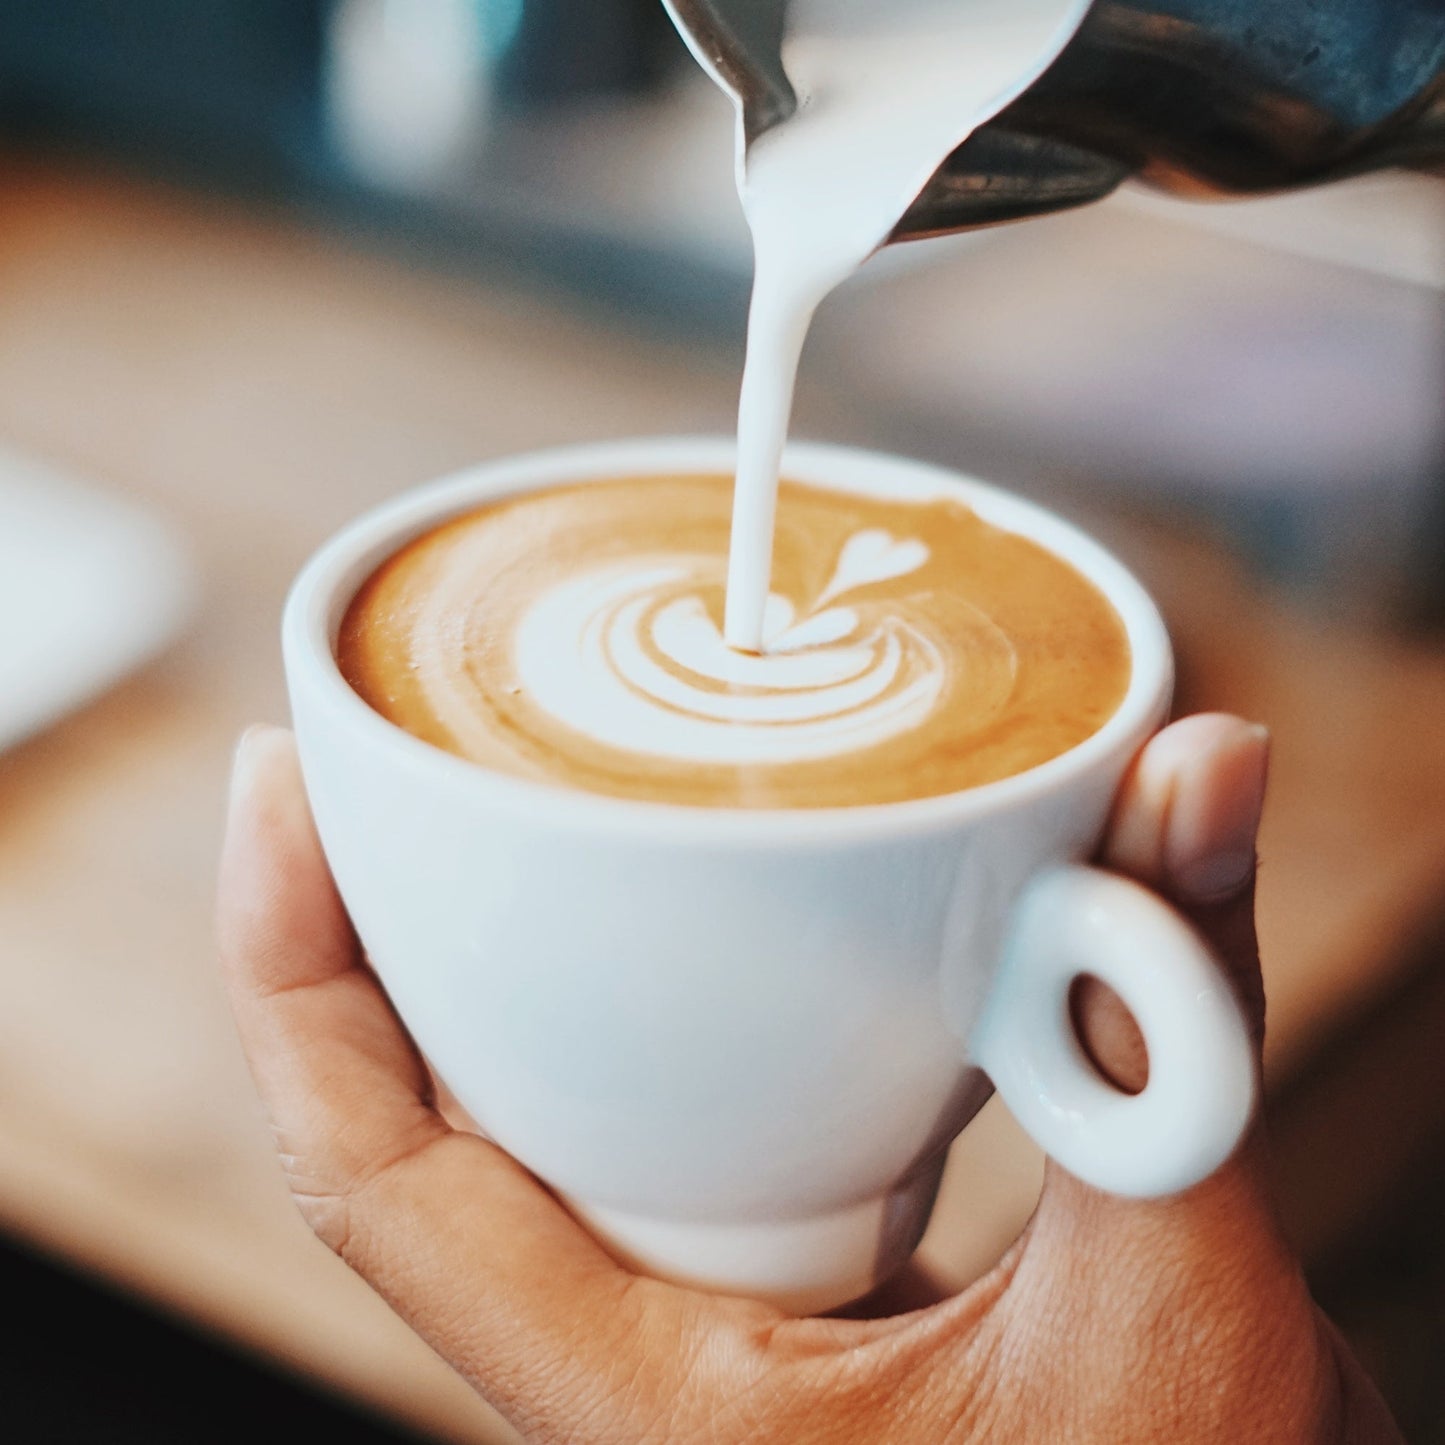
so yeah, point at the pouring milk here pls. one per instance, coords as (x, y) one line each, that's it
(886, 91)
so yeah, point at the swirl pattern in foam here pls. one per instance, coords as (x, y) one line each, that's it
(575, 636)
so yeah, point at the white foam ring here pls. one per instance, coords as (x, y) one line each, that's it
(628, 656)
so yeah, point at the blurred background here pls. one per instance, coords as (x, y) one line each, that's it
(264, 263)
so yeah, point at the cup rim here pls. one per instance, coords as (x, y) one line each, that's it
(330, 578)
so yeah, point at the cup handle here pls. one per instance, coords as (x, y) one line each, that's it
(1072, 921)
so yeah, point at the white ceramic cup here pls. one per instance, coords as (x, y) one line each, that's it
(738, 1043)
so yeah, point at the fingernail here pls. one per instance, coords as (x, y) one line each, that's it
(1214, 818)
(248, 749)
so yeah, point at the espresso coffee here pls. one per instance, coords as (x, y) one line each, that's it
(574, 636)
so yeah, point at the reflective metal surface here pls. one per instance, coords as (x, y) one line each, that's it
(1196, 96)
(741, 42)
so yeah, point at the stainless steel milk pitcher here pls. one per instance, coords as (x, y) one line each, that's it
(1200, 97)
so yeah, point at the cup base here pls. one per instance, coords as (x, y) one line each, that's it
(803, 1266)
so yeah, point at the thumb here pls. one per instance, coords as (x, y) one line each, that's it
(1186, 823)
(1209, 1269)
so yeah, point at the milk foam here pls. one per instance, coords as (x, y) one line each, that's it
(886, 92)
(629, 656)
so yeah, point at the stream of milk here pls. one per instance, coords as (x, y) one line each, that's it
(887, 89)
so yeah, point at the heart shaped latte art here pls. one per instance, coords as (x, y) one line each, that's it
(630, 656)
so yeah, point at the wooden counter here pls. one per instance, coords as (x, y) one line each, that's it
(262, 384)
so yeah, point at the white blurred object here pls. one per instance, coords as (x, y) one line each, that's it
(408, 85)
(90, 588)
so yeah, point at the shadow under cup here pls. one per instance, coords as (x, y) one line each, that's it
(738, 1043)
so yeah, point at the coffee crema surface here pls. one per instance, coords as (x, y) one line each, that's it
(574, 636)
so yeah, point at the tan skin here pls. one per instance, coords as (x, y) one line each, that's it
(1110, 1320)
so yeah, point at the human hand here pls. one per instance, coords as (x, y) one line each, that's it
(1110, 1320)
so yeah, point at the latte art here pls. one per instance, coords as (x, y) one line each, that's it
(631, 656)
(577, 636)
